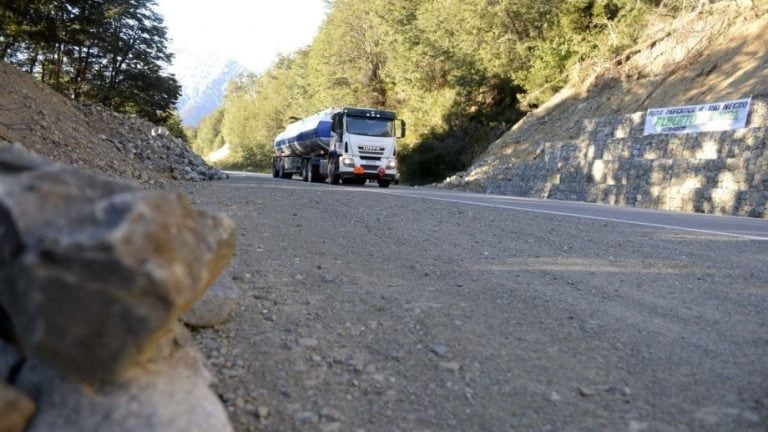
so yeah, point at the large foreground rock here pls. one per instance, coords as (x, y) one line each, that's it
(16, 408)
(170, 394)
(93, 270)
(215, 306)
(9, 358)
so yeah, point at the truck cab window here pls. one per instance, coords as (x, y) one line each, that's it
(376, 127)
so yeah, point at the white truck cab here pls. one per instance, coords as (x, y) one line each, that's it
(364, 144)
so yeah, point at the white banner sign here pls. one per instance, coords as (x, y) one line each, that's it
(713, 117)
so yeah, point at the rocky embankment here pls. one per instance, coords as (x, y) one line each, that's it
(92, 137)
(612, 162)
(152, 147)
(96, 276)
(587, 143)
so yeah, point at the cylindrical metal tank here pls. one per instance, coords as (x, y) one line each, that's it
(309, 136)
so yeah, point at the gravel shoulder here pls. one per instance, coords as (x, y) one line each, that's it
(373, 312)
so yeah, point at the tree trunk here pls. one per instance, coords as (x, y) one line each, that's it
(33, 63)
(4, 50)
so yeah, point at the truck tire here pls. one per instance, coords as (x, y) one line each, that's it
(305, 167)
(275, 172)
(384, 183)
(282, 174)
(313, 171)
(333, 176)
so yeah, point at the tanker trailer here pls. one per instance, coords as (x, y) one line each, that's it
(341, 145)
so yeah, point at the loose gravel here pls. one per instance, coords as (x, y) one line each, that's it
(371, 312)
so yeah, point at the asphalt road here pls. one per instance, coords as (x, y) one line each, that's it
(740, 227)
(414, 309)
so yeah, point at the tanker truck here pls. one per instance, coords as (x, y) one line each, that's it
(341, 145)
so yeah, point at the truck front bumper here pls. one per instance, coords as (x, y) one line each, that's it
(369, 175)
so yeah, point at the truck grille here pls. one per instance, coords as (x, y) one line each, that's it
(371, 151)
(370, 167)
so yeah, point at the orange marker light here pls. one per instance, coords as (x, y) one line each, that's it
(358, 170)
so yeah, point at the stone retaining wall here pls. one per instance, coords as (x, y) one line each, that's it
(613, 163)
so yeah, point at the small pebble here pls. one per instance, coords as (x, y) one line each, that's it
(308, 342)
(262, 412)
(451, 366)
(330, 414)
(307, 417)
(438, 349)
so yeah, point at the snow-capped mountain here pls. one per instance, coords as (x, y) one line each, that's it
(204, 80)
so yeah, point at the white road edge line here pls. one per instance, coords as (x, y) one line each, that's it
(583, 216)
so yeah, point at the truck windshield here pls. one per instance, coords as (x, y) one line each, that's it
(377, 127)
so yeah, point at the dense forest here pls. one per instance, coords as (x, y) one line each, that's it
(108, 51)
(460, 72)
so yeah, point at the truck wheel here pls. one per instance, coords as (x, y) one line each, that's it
(305, 171)
(384, 183)
(333, 177)
(284, 175)
(311, 176)
(275, 172)
(314, 174)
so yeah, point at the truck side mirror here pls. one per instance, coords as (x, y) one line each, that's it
(402, 129)
(336, 123)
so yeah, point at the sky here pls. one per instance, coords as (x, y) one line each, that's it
(253, 32)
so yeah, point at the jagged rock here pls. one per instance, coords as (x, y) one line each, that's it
(216, 304)
(170, 394)
(189, 175)
(176, 348)
(103, 267)
(16, 408)
(9, 357)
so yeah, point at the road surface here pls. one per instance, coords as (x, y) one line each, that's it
(740, 227)
(414, 309)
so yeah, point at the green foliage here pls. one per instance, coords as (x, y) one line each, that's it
(190, 133)
(175, 127)
(581, 29)
(453, 69)
(207, 133)
(109, 51)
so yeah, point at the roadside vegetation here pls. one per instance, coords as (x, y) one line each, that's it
(113, 52)
(460, 72)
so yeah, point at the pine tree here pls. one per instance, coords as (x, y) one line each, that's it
(110, 51)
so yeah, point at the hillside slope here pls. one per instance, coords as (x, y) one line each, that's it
(712, 55)
(91, 136)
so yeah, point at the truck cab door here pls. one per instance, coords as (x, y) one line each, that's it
(337, 127)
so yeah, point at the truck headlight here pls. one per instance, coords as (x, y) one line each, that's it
(348, 162)
(392, 164)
